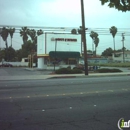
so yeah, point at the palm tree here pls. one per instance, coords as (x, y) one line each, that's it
(39, 32)
(24, 34)
(113, 31)
(95, 40)
(73, 31)
(92, 36)
(4, 35)
(11, 32)
(32, 34)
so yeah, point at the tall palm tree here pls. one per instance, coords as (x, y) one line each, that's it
(11, 32)
(39, 32)
(24, 34)
(95, 40)
(92, 36)
(113, 31)
(32, 34)
(4, 35)
(73, 31)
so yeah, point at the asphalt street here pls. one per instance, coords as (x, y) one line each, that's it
(16, 71)
(65, 104)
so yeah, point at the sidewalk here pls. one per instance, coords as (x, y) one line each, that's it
(51, 76)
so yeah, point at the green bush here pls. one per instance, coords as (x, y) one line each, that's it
(68, 71)
(75, 68)
(69, 67)
(63, 71)
(127, 64)
(76, 71)
(106, 70)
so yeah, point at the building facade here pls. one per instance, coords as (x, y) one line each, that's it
(120, 57)
(57, 48)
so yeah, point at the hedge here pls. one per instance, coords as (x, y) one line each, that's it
(106, 70)
(68, 71)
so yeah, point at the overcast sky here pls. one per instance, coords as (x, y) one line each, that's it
(66, 13)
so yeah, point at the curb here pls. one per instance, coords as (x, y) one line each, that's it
(60, 77)
(88, 76)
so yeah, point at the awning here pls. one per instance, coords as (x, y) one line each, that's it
(64, 54)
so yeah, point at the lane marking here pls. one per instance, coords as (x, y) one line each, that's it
(67, 94)
(125, 89)
(110, 90)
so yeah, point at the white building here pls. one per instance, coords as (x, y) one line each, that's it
(65, 48)
(119, 56)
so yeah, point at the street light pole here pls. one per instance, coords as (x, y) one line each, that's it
(84, 37)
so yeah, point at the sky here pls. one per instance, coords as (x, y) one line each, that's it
(66, 13)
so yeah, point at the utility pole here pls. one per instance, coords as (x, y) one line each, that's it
(84, 37)
(123, 38)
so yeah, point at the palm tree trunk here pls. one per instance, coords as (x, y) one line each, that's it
(114, 45)
(6, 44)
(7, 56)
(11, 42)
(95, 51)
(93, 46)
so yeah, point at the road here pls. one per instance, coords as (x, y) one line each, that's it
(64, 104)
(16, 71)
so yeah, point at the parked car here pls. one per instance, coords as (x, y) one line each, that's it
(6, 65)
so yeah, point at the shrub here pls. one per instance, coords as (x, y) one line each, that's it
(75, 68)
(69, 67)
(126, 64)
(106, 70)
(76, 71)
(63, 71)
(68, 71)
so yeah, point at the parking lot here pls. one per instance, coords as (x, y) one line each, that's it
(14, 71)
